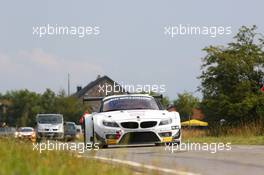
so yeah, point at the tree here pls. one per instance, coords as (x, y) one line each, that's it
(185, 103)
(71, 107)
(24, 106)
(165, 102)
(48, 101)
(62, 93)
(231, 79)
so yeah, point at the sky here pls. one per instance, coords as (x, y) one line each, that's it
(132, 47)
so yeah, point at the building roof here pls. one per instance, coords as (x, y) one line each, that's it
(92, 84)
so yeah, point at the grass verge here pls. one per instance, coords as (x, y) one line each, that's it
(234, 140)
(240, 137)
(18, 157)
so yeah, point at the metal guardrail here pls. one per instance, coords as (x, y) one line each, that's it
(7, 131)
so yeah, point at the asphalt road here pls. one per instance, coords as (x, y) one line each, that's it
(239, 160)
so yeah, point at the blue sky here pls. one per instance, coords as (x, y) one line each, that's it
(131, 47)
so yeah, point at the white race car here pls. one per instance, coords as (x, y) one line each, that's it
(131, 119)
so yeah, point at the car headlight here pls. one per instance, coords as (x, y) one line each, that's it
(110, 124)
(165, 122)
(175, 127)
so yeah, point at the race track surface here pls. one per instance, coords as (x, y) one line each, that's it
(240, 160)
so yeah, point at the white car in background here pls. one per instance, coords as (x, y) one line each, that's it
(131, 119)
(50, 126)
(25, 132)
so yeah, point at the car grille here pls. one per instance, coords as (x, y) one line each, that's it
(129, 125)
(148, 124)
(139, 137)
(165, 134)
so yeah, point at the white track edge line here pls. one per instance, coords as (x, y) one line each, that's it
(136, 164)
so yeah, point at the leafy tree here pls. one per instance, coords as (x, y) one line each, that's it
(185, 103)
(231, 79)
(165, 102)
(24, 105)
(62, 93)
(48, 101)
(71, 108)
(4, 103)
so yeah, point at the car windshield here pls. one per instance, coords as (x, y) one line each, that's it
(129, 103)
(70, 127)
(25, 130)
(53, 119)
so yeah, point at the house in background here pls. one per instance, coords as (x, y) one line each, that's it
(101, 87)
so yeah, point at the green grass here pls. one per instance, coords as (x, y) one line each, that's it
(237, 136)
(18, 158)
(244, 134)
(235, 140)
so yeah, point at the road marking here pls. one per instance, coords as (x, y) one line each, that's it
(136, 164)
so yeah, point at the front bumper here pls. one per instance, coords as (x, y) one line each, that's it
(26, 136)
(54, 135)
(112, 136)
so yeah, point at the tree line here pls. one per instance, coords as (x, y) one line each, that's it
(232, 77)
(24, 105)
(232, 81)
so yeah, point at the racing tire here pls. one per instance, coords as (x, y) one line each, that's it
(159, 144)
(103, 146)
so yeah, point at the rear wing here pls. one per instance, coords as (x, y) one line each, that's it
(87, 99)
(92, 99)
(158, 98)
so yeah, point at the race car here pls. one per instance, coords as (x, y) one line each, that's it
(131, 119)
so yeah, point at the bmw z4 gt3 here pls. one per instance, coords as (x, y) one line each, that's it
(132, 119)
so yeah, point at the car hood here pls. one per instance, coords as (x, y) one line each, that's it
(51, 126)
(26, 133)
(134, 115)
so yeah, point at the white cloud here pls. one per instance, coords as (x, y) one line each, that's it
(54, 63)
(36, 69)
